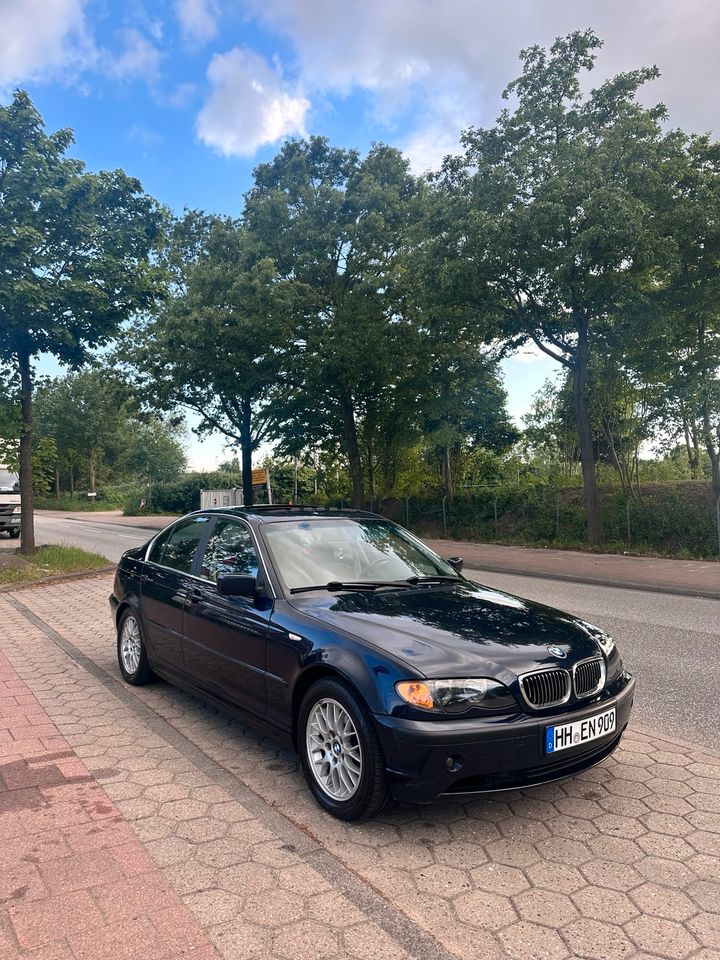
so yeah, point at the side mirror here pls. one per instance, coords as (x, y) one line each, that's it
(455, 562)
(236, 585)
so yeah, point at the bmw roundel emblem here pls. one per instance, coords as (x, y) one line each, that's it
(557, 652)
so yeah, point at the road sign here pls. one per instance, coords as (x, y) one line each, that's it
(259, 477)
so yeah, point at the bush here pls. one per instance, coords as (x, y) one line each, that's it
(180, 496)
(675, 519)
(111, 497)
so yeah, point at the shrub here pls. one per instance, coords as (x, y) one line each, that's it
(670, 519)
(180, 496)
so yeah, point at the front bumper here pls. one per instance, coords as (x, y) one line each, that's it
(10, 522)
(426, 759)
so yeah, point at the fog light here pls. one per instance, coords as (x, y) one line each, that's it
(453, 764)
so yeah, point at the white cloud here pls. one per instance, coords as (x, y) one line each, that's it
(250, 105)
(143, 135)
(139, 58)
(181, 94)
(428, 146)
(448, 60)
(198, 19)
(40, 39)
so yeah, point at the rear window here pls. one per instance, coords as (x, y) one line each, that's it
(176, 548)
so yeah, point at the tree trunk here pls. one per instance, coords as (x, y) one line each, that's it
(447, 474)
(71, 477)
(91, 471)
(352, 450)
(692, 446)
(711, 433)
(371, 473)
(57, 483)
(712, 445)
(246, 454)
(591, 496)
(619, 465)
(27, 528)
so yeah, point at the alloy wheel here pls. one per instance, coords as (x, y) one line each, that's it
(333, 749)
(130, 645)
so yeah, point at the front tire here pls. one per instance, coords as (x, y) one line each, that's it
(14, 534)
(340, 752)
(131, 650)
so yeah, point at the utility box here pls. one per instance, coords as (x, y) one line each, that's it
(221, 498)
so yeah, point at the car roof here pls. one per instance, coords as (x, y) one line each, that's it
(264, 512)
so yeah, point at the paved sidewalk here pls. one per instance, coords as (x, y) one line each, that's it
(75, 881)
(697, 578)
(619, 863)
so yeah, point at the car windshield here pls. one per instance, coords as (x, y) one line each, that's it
(344, 549)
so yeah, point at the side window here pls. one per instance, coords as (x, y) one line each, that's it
(155, 555)
(230, 549)
(181, 545)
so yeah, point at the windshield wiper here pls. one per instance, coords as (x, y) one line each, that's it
(439, 578)
(334, 585)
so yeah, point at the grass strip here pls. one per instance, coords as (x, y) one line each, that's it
(48, 561)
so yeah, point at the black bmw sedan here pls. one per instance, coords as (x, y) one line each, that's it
(393, 674)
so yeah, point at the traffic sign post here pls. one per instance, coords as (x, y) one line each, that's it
(261, 478)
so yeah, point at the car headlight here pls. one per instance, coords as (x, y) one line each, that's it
(603, 640)
(17, 510)
(456, 696)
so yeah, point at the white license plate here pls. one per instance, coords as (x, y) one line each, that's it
(574, 734)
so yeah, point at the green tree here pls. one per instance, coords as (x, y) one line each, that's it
(555, 231)
(684, 342)
(76, 259)
(87, 414)
(219, 342)
(334, 224)
(550, 426)
(154, 452)
(467, 408)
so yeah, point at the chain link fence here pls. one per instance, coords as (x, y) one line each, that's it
(681, 520)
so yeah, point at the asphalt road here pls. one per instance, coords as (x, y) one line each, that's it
(109, 539)
(671, 643)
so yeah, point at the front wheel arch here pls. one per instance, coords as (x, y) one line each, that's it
(306, 679)
(372, 792)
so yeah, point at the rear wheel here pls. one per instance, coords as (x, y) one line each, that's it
(340, 753)
(132, 655)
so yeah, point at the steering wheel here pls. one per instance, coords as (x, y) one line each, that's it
(376, 566)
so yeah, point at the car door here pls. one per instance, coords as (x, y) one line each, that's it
(165, 588)
(225, 637)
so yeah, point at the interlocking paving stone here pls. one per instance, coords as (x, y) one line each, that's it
(622, 861)
(62, 870)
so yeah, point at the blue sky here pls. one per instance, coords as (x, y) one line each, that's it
(188, 95)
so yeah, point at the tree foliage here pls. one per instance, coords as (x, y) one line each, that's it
(219, 342)
(556, 222)
(76, 250)
(100, 433)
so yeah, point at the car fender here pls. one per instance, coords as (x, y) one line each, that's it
(320, 649)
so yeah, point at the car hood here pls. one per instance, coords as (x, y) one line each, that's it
(456, 630)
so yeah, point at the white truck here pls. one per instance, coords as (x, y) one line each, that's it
(9, 502)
